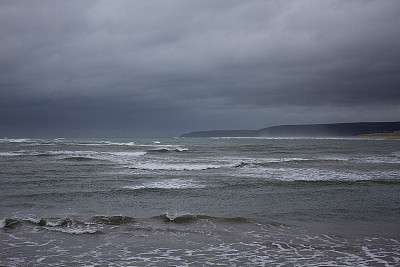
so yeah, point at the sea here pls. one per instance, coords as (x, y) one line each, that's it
(200, 202)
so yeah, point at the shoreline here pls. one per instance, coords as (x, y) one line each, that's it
(392, 135)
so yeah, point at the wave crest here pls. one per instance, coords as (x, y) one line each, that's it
(168, 149)
(9, 223)
(113, 220)
(167, 184)
(189, 218)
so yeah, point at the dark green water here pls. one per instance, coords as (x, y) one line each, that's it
(191, 202)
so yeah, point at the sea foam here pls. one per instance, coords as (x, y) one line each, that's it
(167, 184)
(157, 166)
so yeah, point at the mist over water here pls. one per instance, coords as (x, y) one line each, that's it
(230, 201)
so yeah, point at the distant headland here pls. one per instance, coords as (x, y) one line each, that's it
(357, 129)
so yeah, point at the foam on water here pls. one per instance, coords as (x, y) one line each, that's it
(79, 154)
(118, 157)
(126, 154)
(21, 140)
(78, 230)
(165, 166)
(270, 161)
(9, 154)
(316, 174)
(167, 184)
(105, 143)
(391, 159)
(274, 160)
(168, 149)
(51, 198)
(318, 168)
(186, 239)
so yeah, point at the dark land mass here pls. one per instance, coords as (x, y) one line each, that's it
(394, 135)
(306, 130)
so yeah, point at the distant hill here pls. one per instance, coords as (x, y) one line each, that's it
(306, 130)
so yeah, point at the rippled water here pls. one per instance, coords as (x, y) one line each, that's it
(191, 202)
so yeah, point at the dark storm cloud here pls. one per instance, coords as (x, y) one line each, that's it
(163, 67)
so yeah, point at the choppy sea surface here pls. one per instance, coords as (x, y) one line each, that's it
(199, 202)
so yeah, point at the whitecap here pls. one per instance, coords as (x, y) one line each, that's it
(167, 184)
(62, 154)
(376, 258)
(277, 160)
(9, 154)
(122, 144)
(392, 159)
(169, 149)
(74, 230)
(176, 166)
(100, 155)
(24, 141)
(106, 143)
(316, 174)
(33, 220)
(127, 154)
(21, 140)
(334, 158)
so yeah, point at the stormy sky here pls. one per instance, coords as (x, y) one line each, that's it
(162, 68)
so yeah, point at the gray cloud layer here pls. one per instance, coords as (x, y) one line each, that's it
(135, 68)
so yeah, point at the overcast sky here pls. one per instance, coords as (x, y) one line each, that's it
(162, 68)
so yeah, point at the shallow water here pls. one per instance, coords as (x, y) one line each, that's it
(191, 202)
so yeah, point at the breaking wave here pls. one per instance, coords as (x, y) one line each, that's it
(78, 158)
(156, 166)
(167, 184)
(188, 239)
(101, 224)
(67, 225)
(168, 149)
(77, 155)
(189, 218)
(20, 140)
(113, 220)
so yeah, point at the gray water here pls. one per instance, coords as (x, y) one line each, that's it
(198, 202)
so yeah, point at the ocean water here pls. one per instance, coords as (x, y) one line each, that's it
(199, 202)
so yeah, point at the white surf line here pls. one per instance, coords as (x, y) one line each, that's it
(368, 253)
